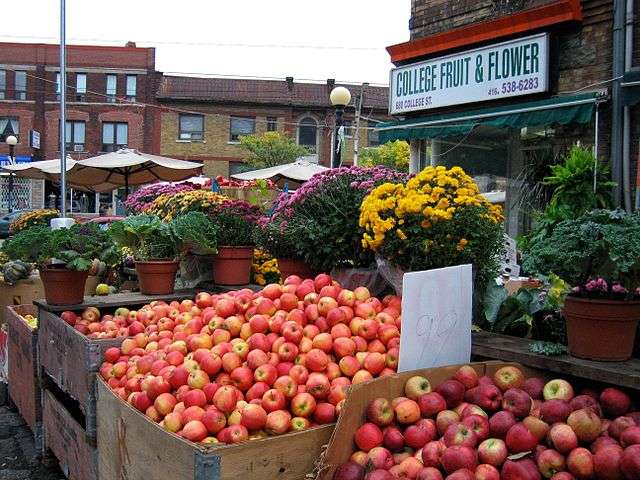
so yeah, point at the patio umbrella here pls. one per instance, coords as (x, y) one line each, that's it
(130, 167)
(299, 171)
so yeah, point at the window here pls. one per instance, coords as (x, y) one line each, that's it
(114, 136)
(272, 124)
(21, 85)
(112, 83)
(74, 136)
(241, 126)
(81, 87)
(131, 87)
(9, 126)
(3, 84)
(191, 127)
(348, 128)
(374, 140)
(308, 134)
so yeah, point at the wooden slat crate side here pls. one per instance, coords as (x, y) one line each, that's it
(66, 439)
(353, 412)
(24, 388)
(115, 300)
(135, 447)
(71, 359)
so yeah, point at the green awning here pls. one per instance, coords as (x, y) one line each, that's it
(631, 87)
(551, 111)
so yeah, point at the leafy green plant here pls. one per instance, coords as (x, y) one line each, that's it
(76, 246)
(573, 182)
(270, 149)
(280, 237)
(151, 239)
(600, 244)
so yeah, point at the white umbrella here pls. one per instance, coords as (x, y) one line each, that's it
(130, 167)
(299, 171)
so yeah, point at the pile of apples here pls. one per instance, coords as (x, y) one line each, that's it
(243, 365)
(123, 322)
(501, 427)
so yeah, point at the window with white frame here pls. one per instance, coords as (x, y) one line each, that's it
(272, 124)
(308, 134)
(3, 84)
(191, 127)
(241, 126)
(373, 135)
(20, 85)
(9, 126)
(112, 87)
(114, 136)
(81, 87)
(131, 87)
(75, 136)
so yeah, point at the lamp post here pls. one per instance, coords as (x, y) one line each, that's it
(340, 98)
(12, 141)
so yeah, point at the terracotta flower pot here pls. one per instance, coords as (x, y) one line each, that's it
(63, 286)
(157, 277)
(232, 265)
(292, 266)
(601, 329)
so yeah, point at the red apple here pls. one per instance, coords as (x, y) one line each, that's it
(432, 453)
(303, 405)
(368, 436)
(630, 436)
(493, 451)
(555, 410)
(431, 404)
(558, 389)
(562, 438)
(606, 463)
(349, 471)
(407, 412)
(520, 439)
(478, 424)
(524, 469)
(630, 462)
(194, 431)
(550, 462)
(452, 391)
(516, 401)
(417, 386)
(380, 412)
(614, 402)
(580, 463)
(586, 424)
(458, 457)
(467, 375)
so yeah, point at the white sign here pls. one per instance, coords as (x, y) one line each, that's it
(509, 69)
(436, 318)
(34, 139)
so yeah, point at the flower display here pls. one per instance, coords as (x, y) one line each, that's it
(235, 221)
(142, 199)
(326, 209)
(265, 268)
(437, 219)
(168, 206)
(35, 217)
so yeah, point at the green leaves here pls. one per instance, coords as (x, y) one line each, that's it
(391, 154)
(270, 149)
(194, 233)
(547, 348)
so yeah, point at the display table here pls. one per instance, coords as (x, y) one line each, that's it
(514, 349)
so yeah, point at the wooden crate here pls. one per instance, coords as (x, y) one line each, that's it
(24, 389)
(72, 360)
(66, 440)
(354, 410)
(133, 447)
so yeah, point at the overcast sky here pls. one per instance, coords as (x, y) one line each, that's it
(306, 39)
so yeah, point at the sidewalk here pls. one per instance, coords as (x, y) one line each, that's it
(17, 452)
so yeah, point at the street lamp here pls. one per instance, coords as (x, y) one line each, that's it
(12, 141)
(340, 97)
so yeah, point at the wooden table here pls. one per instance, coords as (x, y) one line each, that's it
(114, 300)
(514, 349)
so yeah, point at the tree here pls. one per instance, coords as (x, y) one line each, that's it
(270, 149)
(392, 154)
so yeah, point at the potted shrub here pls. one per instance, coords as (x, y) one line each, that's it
(235, 222)
(280, 237)
(598, 254)
(329, 205)
(64, 257)
(437, 219)
(157, 246)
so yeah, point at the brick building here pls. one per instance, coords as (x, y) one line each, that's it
(107, 89)
(204, 117)
(503, 87)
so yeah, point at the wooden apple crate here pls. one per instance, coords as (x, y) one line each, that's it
(353, 412)
(65, 439)
(70, 359)
(24, 389)
(133, 447)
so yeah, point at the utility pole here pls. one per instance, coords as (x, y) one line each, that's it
(356, 137)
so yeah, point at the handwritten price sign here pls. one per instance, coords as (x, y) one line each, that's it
(436, 318)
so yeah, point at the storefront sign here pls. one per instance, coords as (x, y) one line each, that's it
(436, 318)
(510, 69)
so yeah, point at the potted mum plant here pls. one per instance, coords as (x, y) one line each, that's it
(235, 222)
(598, 254)
(64, 257)
(280, 236)
(437, 219)
(157, 246)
